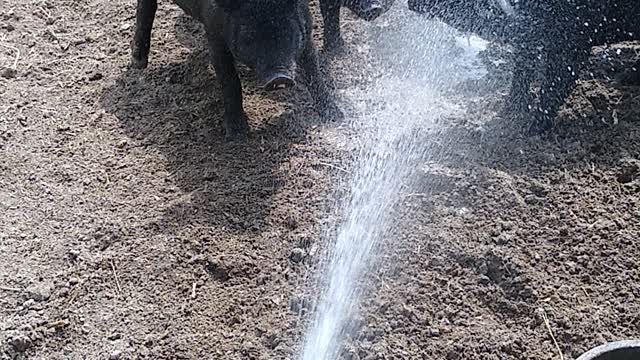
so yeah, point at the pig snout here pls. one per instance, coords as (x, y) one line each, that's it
(276, 80)
(371, 11)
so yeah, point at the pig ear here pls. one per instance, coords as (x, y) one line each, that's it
(228, 4)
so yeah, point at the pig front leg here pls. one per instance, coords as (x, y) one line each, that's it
(234, 119)
(145, 14)
(330, 10)
(323, 99)
(631, 77)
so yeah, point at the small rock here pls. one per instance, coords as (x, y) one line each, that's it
(28, 304)
(73, 255)
(121, 144)
(115, 355)
(248, 347)
(8, 73)
(297, 255)
(453, 355)
(22, 120)
(95, 76)
(40, 292)
(20, 343)
(198, 259)
(504, 239)
(73, 280)
(539, 316)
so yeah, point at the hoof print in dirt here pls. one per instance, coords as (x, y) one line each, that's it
(218, 269)
(20, 343)
(630, 170)
(8, 73)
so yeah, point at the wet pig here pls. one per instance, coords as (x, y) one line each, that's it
(271, 36)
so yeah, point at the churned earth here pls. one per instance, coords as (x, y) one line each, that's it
(130, 230)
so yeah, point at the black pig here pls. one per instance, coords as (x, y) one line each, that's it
(554, 36)
(368, 10)
(566, 31)
(271, 36)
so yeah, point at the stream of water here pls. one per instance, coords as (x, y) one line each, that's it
(416, 71)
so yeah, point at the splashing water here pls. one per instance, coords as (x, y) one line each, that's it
(410, 49)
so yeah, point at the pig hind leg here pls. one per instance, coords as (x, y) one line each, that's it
(145, 14)
(562, 71)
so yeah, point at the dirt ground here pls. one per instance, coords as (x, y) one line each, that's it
(129, 230)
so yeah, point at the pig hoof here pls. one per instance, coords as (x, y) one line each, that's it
(630, 78)
(331, 112)
(138, 60)
(539, 126)
(334, 45)
(138, 63)
(235, 128)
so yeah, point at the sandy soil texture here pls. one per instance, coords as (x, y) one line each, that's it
(130, 230)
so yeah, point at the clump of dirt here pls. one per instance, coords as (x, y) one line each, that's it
(129, 229)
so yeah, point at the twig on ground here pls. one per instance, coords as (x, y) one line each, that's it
(57, 324)
(546, 323)
(15, 62)
(333, 167)
(10, 289)
(115, 275)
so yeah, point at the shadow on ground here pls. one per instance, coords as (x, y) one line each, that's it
(176, 110)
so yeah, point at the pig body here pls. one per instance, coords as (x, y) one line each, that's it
(553, 37)
(271, 36)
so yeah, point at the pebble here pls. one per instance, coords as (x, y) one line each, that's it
(40, 292)
(115, 355)
(95, 76)
(297, 255)
(73, 281)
